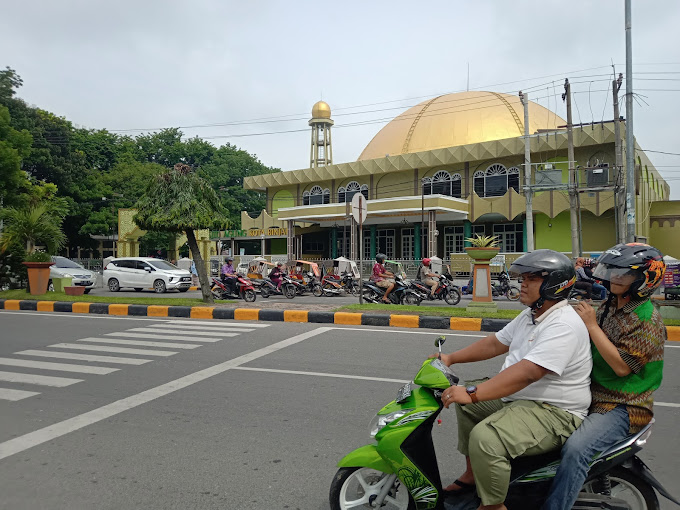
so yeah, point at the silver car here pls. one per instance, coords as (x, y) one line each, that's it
(67, 268)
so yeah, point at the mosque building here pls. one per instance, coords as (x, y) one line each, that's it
(446, 169)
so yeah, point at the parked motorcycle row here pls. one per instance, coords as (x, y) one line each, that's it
(345, 283)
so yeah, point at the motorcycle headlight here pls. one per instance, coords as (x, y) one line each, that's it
(380, 420)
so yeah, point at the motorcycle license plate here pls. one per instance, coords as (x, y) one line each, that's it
(404, 393)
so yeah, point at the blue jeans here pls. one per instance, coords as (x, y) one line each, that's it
(600, 289)
(597, 433)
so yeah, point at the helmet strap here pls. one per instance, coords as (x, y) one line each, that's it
(610, 301)
(536, 307)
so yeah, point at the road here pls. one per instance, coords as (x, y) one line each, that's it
(226, 415)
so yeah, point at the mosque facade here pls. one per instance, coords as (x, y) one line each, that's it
(444, 170)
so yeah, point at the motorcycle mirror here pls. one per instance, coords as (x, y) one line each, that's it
(439, 341)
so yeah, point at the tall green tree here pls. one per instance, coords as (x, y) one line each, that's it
(178, 200)
(14, 147)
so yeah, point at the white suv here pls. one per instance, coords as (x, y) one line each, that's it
(144, 273)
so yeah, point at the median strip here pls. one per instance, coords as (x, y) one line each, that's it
(253, 314)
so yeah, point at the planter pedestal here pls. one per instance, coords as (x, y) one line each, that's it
(38, 276)
(482, 297)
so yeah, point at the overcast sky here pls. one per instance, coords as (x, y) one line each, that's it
(130, 65)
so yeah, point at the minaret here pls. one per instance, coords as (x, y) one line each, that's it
(322, 152)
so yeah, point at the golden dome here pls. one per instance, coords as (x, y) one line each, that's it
(458, 119)
(321, 110)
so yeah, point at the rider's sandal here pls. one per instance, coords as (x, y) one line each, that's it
(464, 487)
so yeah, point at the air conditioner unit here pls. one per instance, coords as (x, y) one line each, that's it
(598, 176)
(548, 178)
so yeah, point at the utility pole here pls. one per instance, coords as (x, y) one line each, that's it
(528, 191)
(630, 140)
(572, 173)
(619, 204)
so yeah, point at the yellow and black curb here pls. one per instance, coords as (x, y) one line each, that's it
(254, 314)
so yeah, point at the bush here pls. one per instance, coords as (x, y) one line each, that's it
(38, 256)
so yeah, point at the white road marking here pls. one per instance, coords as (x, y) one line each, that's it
(666, 404)
(321, 374)
(84, 357)
(171, 337)
(43, 380)
(14, 395)
(138, 342)
(62, 367)
(21, 443)
(673, 346)
(121, 350)
(200, 330)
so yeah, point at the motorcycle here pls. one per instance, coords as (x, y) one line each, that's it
(269, 288)
(331, 285)
(244, 290)
(446, 290)
(401, 294)
(502, 288)
(350, 284)
(400, 471)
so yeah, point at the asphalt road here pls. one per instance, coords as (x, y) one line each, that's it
(252, 416)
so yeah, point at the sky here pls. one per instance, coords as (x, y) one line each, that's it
(248, 73)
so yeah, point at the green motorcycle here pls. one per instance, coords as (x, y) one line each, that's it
(400, 472)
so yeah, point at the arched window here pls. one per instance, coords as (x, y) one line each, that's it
(513, 178)
(443, 183)
(496, 180)
(345, 194)
(479, 183)
(316, 196)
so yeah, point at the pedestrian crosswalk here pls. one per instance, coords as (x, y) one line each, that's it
(25, 373)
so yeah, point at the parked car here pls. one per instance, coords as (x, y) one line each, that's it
(144, 273)
(67, 268)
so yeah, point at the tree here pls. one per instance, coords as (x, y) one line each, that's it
(32, 225)
(178, 200)
(14, 147)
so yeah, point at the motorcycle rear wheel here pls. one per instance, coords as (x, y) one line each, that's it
(630, 488)
(217, 293)
(264, 292)
(371, 296)
(347, 490)
(329, 289)
(289, 291)
(249, 296)
(317, 291)
(512, 293)
(410, 299)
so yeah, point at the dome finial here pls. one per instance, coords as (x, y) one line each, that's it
(321, 110)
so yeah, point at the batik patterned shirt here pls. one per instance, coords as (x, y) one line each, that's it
(639, 334)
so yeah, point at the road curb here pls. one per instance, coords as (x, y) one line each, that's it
(253, 314)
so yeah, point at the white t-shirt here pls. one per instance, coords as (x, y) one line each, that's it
(559, 342)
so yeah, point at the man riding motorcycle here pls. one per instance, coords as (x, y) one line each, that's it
(228, 274)
(428, 277)
(542, 392)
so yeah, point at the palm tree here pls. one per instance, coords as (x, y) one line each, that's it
(32, 226)
(178, 200)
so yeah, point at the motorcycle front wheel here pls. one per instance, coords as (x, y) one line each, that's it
(452, 296)
(628, 487)
(249, 296)
(289, 291)
(357, 487)
(512, 293)
(317, 291)
(329, 289)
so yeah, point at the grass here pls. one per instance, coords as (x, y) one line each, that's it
(60, 296)
(432, 311)
(671, 322)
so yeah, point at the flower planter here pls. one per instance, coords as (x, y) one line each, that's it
(482, 253)
(38, 276)
(74, 291)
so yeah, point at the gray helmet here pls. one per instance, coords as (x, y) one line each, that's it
(380, 257)
(556, 269)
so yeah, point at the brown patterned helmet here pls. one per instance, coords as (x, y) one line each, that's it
(641, 260)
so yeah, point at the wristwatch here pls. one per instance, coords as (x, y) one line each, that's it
(472, 391)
